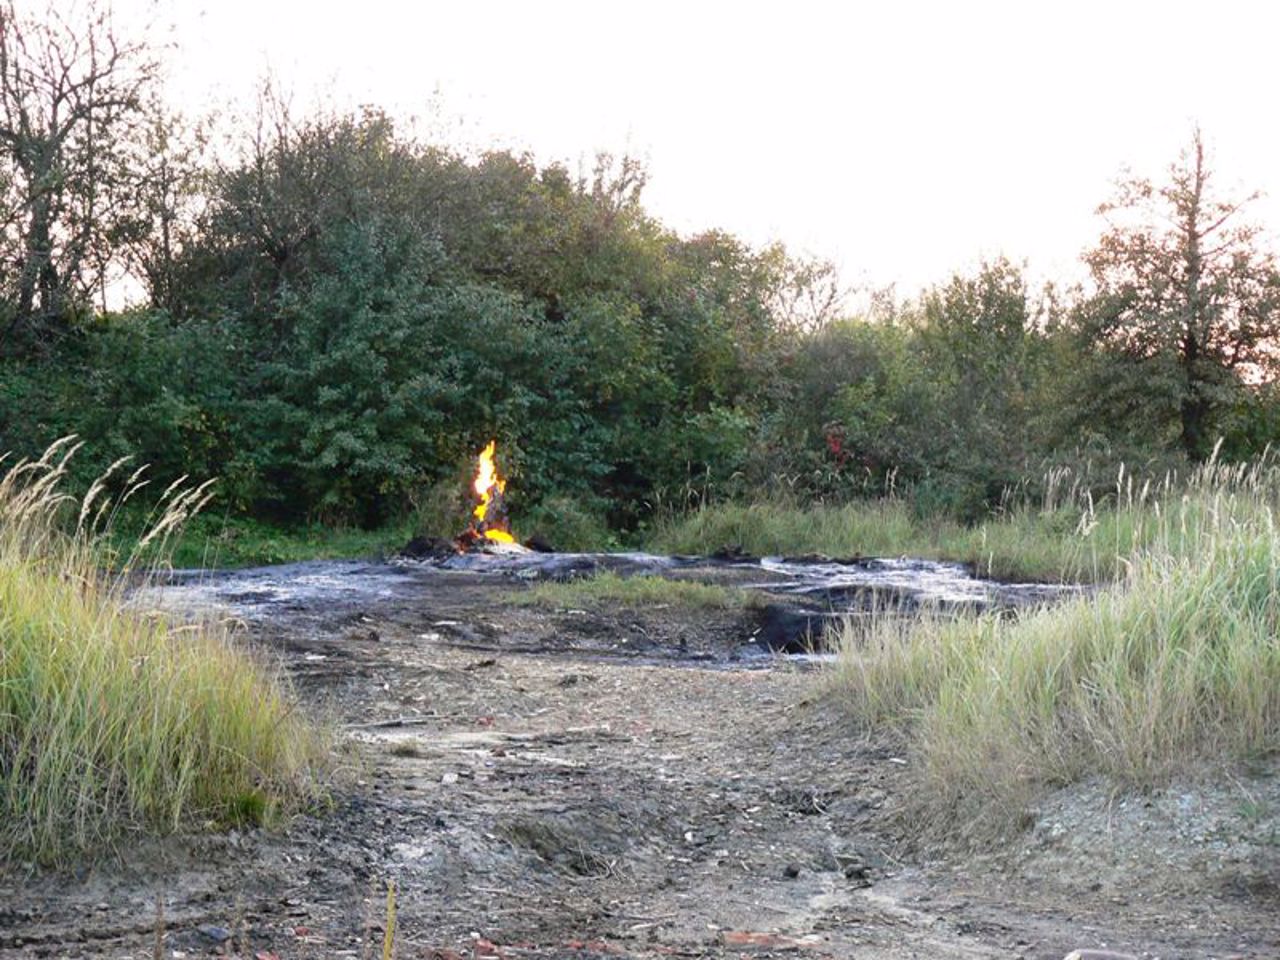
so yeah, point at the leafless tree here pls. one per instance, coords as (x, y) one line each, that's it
(74, 98)
(808, 293)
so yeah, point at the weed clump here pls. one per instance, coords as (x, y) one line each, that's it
(634, 591)
(115, 720)
(1175, 666)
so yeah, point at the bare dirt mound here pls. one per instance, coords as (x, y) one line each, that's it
(602, 782)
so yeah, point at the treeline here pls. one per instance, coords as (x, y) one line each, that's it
(336, 315)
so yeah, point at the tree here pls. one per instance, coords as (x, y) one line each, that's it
(808, 293)
(978, 347)
(280, 217)
(72, 95)
(1186, 299)
(161, 223)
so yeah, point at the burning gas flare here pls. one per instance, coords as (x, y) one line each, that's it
(490, 513)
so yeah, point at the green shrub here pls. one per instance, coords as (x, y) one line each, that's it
(568, 525)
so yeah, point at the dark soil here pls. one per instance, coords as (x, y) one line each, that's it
(575, 783)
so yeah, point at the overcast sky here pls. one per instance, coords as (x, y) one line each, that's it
(903, 140)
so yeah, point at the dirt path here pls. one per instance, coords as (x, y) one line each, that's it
(566, 783)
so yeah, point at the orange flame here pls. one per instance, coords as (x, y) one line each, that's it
(486, 483)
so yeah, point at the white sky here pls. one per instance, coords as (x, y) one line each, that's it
(903, 140)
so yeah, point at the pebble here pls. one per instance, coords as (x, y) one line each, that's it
(1098, 955)
(215, 933)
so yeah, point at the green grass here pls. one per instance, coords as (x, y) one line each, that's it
(115, 721)
(635, 591)
(1060, 542)
(209, 541)
(1174, 667)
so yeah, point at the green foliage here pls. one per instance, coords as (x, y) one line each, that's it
(343, 316)
(1186, 310)
(209, 541)
(389, 307)
(143, 387)
(568, 524)
(953, 398)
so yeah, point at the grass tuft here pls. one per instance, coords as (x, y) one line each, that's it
(635, 591)
(1175, 666)
(113, 720)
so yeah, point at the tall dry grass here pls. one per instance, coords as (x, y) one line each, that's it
(114, 721)
(1175, 666)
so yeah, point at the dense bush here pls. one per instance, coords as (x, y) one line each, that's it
(342, 315)
(353, 314)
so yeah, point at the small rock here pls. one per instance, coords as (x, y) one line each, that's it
(449, 778)
(539, 544)
(855, 871)
(215, 933)
(1098, 955)
(429, 548)
(791, 870)
(769, 942)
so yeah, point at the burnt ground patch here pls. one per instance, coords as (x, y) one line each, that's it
(550, 783)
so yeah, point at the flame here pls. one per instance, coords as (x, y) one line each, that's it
(489, 485)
